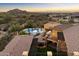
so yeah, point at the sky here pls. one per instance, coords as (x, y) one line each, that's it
(41, 7)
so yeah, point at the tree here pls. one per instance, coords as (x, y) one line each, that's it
(6, 19)
(16, 27)
(5, 40)
(31, 24)
(22, 33)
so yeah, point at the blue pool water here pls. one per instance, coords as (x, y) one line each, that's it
(33, 30)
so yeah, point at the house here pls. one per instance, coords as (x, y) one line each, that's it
(67, 38)
(76, 20)
(50, 25)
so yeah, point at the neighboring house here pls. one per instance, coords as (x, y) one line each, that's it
(76, 19)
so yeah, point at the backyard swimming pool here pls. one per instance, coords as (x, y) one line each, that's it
(34, 31)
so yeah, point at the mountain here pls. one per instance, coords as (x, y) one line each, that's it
(17, 11)
(21, 12)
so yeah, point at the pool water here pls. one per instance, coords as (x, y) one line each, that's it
(33, 31)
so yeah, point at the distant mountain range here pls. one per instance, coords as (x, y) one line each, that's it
(18, 11)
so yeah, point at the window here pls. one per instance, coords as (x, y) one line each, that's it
(60, 36)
